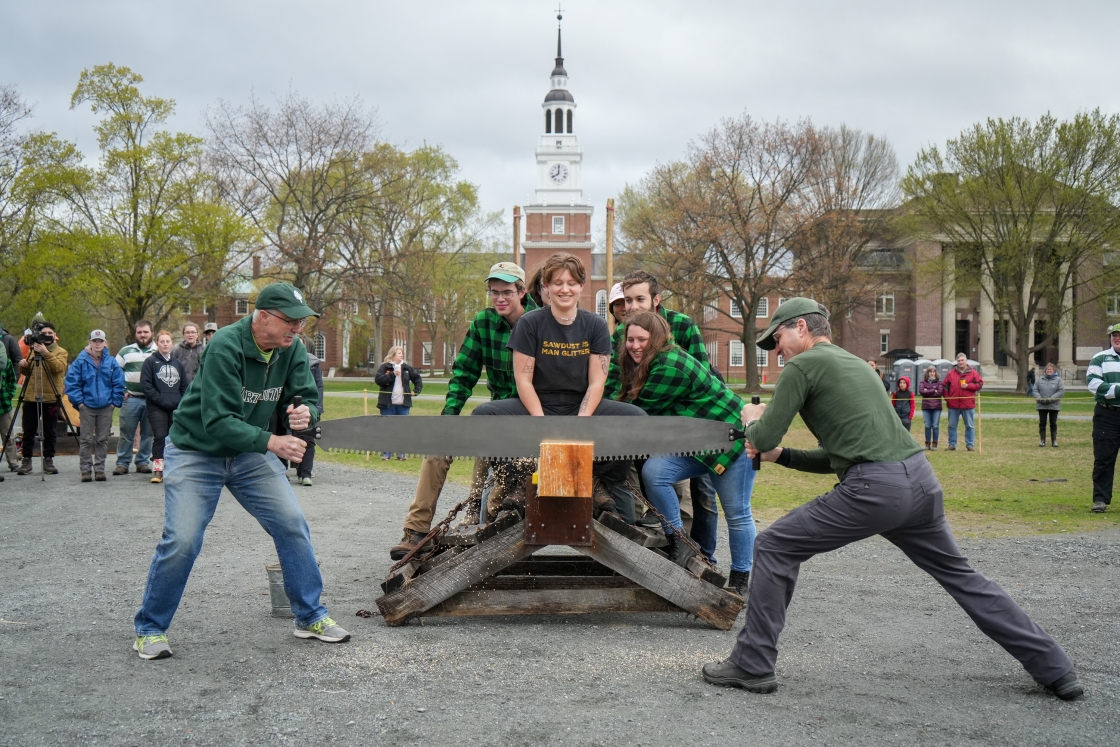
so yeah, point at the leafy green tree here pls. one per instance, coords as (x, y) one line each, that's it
(1030, 207)
(146, 216)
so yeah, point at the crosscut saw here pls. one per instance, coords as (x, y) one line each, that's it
(520, 437)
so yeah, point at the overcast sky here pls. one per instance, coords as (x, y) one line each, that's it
(647, 76)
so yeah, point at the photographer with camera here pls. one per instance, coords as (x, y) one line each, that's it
(9, 379)
(45, 367)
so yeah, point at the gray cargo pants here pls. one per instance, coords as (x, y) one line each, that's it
(903, 502)
(94, 442)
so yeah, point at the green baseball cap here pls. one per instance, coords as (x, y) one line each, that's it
(1114, 329)
(791, 308)
(507, 272)
(286, 299)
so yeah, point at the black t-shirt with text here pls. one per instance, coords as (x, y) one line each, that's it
(562, 353)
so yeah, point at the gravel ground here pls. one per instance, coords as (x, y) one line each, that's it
(874, 652)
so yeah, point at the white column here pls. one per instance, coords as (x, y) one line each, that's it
(1065, 333)
(986, 353)
(948, 309)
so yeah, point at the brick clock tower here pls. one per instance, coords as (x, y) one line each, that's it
(559, 219)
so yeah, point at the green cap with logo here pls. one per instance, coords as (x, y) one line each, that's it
(507, 272)
(1114, 329)
(285, 298)
(791, 308)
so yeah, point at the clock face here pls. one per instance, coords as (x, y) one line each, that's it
(558, 172)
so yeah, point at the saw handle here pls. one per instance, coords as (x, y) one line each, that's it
(757, 461)
(308, 434)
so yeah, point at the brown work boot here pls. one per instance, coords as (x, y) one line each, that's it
(120, 469)
(25, 467)
(601, 498)
(48, 466)
(99, 476)
(87, 477)
(407, 544)
(471, 515)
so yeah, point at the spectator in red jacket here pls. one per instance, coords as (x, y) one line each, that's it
(903, 401)
(961, 385)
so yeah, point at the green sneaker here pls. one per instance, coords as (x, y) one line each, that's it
(305, 482)
(152, 646)
(325, 630)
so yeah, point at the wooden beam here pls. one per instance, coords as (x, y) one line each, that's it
(565, 469)
(551, 602)
(469, 567)
(663, 577)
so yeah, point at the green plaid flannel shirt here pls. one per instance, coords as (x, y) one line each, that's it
(685, 333)
(678, 384)
(484, 346)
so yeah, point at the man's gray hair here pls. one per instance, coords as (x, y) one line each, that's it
(817, 323)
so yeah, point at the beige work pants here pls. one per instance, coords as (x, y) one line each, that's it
(433, 474)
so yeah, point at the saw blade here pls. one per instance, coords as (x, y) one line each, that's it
(519, 437)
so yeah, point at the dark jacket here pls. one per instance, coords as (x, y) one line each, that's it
(385, 379)
(317, 374)
(189, 357)
(9, 376)
(163, 381)
(92, 385)
(903, 399)
(931, 392)
(227, 407)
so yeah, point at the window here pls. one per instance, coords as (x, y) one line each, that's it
(761, 357)
(558, 224)
(1112, 304)
(320, 346)
(736, 312)
(206, 308)
(763, 310)
(710, 312)
(184, 308)
(782, 301)
(371, 353)
(712, 346)
(884, 304)
(426, 358)
(242, 307)
(569, 121)
(398, 342)
(884, 344)
(559, 121)
(601, 303)
(781, 361)
(735, 354)
(448, 354)
(548, 122)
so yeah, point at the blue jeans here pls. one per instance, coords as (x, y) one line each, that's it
(134, 411)
(932, 420)
(705, 517)
(969, 431)
(394, 410)
(734, 489)
(192, 482)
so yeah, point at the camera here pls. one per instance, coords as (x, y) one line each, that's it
(40, 333)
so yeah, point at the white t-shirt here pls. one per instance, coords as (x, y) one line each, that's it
(398, 386)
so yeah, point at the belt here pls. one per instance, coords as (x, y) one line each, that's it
(1110, 407)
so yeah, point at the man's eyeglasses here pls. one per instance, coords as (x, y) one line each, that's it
(506, 295)
(294, 323)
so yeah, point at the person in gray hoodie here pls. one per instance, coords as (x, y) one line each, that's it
(1048, 391)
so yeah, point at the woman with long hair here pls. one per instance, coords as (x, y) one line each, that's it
(662, 379)
(931, 389)
(398, 382)
(164, 381)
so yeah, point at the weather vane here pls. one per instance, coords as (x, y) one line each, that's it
(559, 12)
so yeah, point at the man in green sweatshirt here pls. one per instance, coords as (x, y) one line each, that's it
(220, 439)
(886, 487)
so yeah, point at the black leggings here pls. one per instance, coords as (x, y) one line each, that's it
(1042, 415)
(160, 420)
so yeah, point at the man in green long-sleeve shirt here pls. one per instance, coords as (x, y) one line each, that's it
(483, 347)
(886, 487)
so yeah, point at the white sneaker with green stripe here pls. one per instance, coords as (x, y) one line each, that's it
(152, 646)
(325, 630)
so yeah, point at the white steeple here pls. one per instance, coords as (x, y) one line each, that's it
(559, 155)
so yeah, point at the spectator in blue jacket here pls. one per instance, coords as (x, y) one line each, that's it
(94, 385)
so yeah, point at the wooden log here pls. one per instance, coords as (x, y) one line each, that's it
(633, 533)
(663, 577)
(556, 582)
(557, 565)
(551, 602)
(467, 568)
(401, 577)
(565, 469)
(439, 557)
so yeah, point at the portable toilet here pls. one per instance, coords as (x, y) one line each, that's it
(920, 367)
(904, 367)
(943, 367)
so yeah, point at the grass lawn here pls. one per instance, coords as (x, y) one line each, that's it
(995, 492)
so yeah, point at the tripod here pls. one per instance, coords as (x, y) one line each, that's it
(37, 363)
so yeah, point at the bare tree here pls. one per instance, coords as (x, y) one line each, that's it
(732, 213)
(297, 171)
